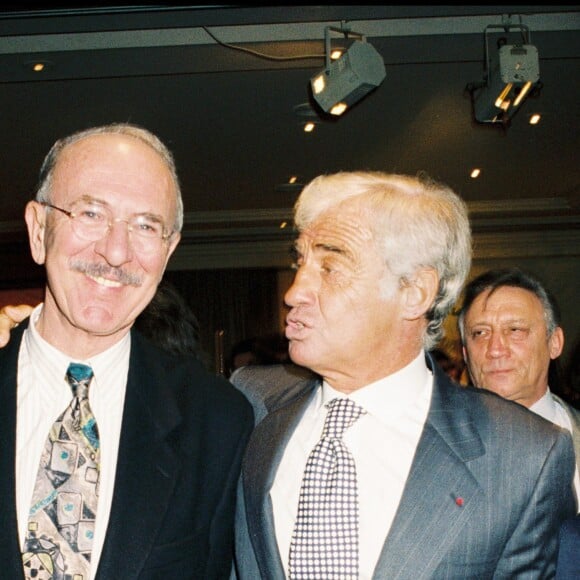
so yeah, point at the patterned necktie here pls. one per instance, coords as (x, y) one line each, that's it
(62, 517)
(324, 544)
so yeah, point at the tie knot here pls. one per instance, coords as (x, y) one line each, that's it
(79, 376)
(342, 413)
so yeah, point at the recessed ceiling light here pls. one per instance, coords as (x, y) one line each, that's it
(475, 173)
(535, 119)
(293, 179)
(309, 127)
(38, 65)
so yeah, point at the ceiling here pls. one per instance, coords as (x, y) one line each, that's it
(229, 115)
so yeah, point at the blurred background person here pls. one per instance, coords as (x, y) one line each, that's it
(169, 322)
(453, 368)
(268, 349)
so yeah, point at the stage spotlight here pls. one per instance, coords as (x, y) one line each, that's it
(345, 81)
(512, 73)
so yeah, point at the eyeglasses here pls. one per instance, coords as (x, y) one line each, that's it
(91, 221)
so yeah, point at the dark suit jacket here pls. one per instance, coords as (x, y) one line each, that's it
(512, 469)
(569, 554)
(182, 440)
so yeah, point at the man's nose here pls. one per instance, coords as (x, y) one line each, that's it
(498, 344)
(303, 288)
(115, 246)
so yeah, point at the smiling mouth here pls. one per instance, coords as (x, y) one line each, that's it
(105, 281)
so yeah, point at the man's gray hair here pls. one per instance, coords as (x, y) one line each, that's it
(417, 223)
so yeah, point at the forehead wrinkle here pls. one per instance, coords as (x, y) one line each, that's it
(330, 248)
(335, 233)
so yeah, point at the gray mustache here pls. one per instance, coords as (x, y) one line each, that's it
(104, 271)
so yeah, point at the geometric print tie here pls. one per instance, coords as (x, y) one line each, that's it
(324, 543)
(61, 521)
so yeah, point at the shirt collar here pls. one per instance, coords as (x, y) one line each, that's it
(546, 407)
(52, 362)
(390, 396)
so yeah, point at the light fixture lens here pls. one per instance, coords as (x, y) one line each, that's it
(338, 109)
(292, 179)
(535, 119)
(318, 84)
(475, 173)
(523, 92)
(500, 102)
(38, 66)
(309, 127)
(335, 54)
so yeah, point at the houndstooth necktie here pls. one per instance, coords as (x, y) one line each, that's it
(62, 517)
(324, 543)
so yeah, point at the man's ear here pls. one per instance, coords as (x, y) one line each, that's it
(174, 240)
(35, 217)
(419, 293)
(556, 343)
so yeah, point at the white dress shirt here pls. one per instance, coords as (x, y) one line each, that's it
(383, 443)
(551, 410)
(43, 394)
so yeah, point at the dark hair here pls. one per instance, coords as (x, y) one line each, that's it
(513, 277)
(169, 322)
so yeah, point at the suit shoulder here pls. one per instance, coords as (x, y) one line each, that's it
(505, 414)
(269, 387)
(192, 384)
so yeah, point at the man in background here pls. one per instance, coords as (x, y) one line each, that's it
(509, 325)
(431, 479)
(135, 477)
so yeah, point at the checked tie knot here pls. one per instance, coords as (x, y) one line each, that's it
(342, 413)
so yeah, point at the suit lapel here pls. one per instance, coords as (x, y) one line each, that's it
(440, 489)
(265, 451)
(9, 543)
(146, 462)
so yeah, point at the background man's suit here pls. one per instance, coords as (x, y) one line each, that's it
(496, 456)
(182, 440)
(574, 415)
(569, 554)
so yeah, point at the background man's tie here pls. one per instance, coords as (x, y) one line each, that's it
(324, 544)
(62, 517)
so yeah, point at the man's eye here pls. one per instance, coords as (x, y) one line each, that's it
(149, 227)
(90, 214)
(518, 330)
(478, 333)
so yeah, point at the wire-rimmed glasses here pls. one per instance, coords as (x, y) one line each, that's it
(91, 221)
